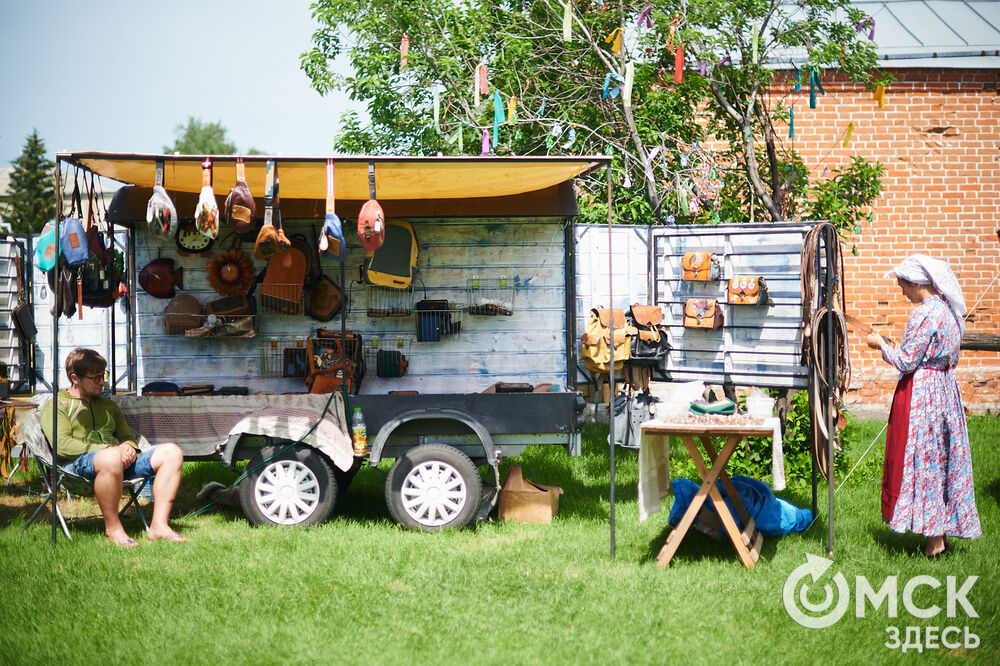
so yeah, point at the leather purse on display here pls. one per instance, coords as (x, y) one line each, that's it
(703, 313)
(596, 341)
(747, 290)
(241, 210)
(701, 266)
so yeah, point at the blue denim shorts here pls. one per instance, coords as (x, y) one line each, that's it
(141, 468)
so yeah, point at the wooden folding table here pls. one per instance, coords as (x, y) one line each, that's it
(747, 541)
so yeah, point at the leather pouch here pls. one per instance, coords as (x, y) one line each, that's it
(703, 313)
(649, 345)
(701, 266)
(747, 290)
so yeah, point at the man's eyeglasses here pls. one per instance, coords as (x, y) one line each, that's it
(102, 377)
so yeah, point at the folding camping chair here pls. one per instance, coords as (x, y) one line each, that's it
(40, 450)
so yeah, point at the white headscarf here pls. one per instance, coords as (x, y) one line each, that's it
(921, 269)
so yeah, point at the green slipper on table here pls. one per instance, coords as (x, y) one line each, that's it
(724, 407)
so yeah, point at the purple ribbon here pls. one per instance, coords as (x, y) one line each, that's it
(703, 68)
(644, 16)
(486, 142)
(724, 60)
(868, 20)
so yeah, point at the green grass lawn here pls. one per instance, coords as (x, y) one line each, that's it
(358, 589)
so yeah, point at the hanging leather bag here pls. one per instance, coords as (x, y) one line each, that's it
(22, 315)
(271, 240)
(206, 213)
(596, 341)
(241, 209)
(649, 344)
(324, 297)
(371, 219)
(703, 313)
(100, 277)
(331, 238)
(747, 290)
(161, 214)
(701, 266)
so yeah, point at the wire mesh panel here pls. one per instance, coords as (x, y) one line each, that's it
(284, 357)
(285, 299)
(387, 355)
(490, 297)
(436, 319)
(388, 302)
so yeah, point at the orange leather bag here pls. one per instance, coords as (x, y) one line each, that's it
(596, 342)
(703, 313)
(747, 290)
(701, 266)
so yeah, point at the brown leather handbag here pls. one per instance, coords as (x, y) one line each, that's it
(701, 266)
(747, 290)
(241, 210)
(703, 313)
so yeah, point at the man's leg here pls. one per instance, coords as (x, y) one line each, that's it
(108, 490)
(167, 460)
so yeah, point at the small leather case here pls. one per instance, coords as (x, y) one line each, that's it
(701, 266)
(703, 313)
(747, 290)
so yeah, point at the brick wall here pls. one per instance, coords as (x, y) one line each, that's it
(939, 138)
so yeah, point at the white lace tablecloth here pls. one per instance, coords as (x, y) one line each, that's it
(201, 425)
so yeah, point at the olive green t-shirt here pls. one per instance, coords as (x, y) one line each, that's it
(84, 427)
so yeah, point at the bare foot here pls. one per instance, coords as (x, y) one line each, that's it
(935, 546)
(122, 540)
(168, 535)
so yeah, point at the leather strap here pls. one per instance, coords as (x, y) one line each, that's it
(206, 172)
(371, 180)
(330, 201)
(241, 170)
(158, 178)
(269, 177)
(860, 325)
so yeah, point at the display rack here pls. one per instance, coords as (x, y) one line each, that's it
(436, 320)
(388, 302)
(209, 326)
(284, 357)
(387, 355)
(490, 297)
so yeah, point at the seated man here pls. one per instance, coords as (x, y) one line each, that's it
(101, 447)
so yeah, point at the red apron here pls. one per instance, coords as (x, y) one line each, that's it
(895, 445)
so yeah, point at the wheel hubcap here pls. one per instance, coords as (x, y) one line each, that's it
(287, 492)
(434, 493)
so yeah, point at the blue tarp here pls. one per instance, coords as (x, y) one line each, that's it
(772, 515)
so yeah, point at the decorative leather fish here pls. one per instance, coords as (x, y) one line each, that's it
(159, 277)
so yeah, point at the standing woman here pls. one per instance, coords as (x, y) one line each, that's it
(927, 481)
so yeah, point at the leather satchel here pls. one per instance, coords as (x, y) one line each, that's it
(703, 313)
(701, 266)
(22, 315)
(649, 344)
(596, 341)
(241, 210)
(747, 290)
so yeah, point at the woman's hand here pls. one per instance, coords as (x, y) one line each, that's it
(875, 340)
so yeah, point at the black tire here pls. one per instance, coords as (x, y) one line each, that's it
(295, 488)
(433, 487)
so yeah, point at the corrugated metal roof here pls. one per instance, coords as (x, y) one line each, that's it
(930, 33)
(947, 34)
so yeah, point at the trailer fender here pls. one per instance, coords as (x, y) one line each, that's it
(375, 455)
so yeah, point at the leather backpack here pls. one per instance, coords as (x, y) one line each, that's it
(649, 344)
(596, 341)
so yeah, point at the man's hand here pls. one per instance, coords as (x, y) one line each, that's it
(128, 454)
(875, 341)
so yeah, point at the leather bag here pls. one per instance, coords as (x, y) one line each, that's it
(747, 290)
(161, 214)
(331, 238)
(206, 213)
(703, 313)
(324, 297)
(371, 219)
(649, 344)
(271, 240)
(241, 209)
(701, 266)
(22, 315)
(596, 341)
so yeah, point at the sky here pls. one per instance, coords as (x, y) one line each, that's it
(120, 75)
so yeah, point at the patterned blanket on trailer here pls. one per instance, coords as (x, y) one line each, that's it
(201, 425)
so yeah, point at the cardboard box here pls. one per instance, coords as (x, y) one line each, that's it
(527, 502)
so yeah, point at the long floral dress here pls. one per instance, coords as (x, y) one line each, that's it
(933, 476)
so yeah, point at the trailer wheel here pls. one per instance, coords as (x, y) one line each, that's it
(433, 487)
(294, 488)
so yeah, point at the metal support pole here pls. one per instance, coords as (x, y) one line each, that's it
(56, 291)
(611, 369)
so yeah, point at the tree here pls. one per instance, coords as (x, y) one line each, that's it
(31, 197)
(552, 96)
(200, 138)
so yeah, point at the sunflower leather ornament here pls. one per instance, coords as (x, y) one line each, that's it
(230, 273)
